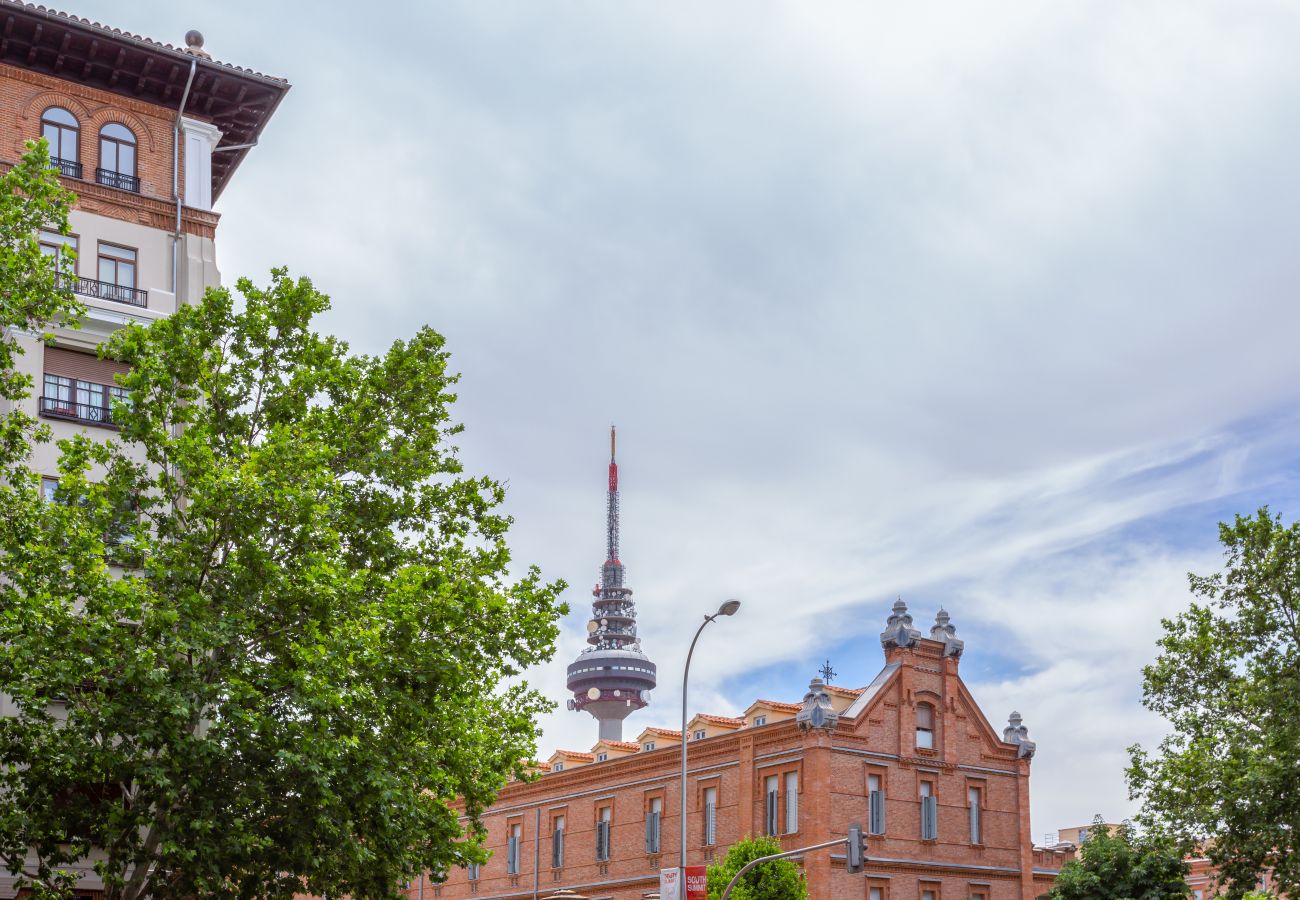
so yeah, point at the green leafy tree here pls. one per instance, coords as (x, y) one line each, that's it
(779, 879)
(33, 296)
(268, 642)
(1228, 681)
(1122, 866)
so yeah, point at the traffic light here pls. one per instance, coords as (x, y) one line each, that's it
(857, 849)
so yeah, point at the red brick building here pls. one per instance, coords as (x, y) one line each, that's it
(912, 757)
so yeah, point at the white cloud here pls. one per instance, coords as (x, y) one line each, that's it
(883, 297)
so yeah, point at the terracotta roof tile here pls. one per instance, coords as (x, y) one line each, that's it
(109, 31)
(844, 692)
(575, 754)
(621, 745)
(664, 732)
(777, 704)
(733, 721)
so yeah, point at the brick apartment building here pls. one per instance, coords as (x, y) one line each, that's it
(147, 136)
(912, 757)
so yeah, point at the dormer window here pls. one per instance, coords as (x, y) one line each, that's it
(63, 133)
(925, 726)
(648, 745)
(117, 158)
(698, 736)
(760, 720)
(558, 767)
(601, 757)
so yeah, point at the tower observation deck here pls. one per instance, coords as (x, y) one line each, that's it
(612, 678)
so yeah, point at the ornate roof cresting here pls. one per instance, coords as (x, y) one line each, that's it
(945, 631)
(1016, 733)
(817, 711)
(898, 630)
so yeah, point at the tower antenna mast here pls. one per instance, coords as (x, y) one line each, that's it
(612, 678)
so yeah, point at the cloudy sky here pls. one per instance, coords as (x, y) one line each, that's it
(987, 305)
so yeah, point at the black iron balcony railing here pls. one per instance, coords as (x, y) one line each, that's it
(105, 290)
(66, 167)
(119, 180)
(57, 408)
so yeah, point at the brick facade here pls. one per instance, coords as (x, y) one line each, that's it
(875, 737)
(24, 97)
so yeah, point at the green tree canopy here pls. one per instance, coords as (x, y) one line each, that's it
(780, 879)
(1122, 866)
(1228, 681)
(268, 642)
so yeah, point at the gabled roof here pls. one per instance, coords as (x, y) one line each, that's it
(774, 704)
(236, 100)
(662, 732)
(574, 754)
(617, 745)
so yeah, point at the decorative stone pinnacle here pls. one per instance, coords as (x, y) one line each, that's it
(1016, 733)
(817, 712)
(945, 631)
(898, 629)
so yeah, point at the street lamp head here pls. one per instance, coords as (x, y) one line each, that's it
(729, 608)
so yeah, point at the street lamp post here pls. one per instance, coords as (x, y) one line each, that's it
(726, 609)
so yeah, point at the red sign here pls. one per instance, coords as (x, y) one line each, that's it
(697, 882)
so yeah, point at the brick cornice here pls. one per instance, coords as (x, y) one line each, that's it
(154, 212)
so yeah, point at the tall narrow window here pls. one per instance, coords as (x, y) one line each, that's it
(791, 802)
(48, 488)
(557, 842)
(710, 816)
(62, 248)
(652, 817)
(876, 804)
(61, 130)
(512, 849)
(117, 272)
(925, 726)
(602, 834)
(773, 799)
(117, 158)
(929, 812)
(473, 871)
(976, 830)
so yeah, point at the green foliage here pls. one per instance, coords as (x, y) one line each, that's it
(1122, 866)
(779, 879)
(316, 650)
(32, 294)
(1228, 681)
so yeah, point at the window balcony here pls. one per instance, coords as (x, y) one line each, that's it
(66, 167)
(119, 180)
(106, 290)
(85, 413)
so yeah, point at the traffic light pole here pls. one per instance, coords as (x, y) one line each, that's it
(853, 842)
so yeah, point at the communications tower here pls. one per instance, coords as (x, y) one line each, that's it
(612, 678)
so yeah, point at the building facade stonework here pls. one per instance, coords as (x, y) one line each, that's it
(911, 757)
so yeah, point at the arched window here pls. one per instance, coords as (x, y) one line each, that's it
(925, 726)
(117, 158)
(61, 130)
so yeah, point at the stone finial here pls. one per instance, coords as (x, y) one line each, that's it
(898, 630)
(945, 631)
(1016, 733)
(194, 44)
(817, 711)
